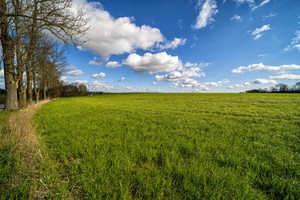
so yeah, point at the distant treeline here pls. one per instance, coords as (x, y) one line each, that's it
(280, 88)
(67, 90)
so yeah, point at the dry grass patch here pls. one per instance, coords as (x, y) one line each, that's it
(23, 141)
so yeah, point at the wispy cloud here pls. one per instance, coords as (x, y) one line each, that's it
(295, 42)
(205, 17)
(173, 44)
(260, 5)
(257, 33)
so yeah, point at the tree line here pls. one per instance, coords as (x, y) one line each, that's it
(280, 88)
(31, 34)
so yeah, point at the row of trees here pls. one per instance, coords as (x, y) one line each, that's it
(31, 57)
(280, 88)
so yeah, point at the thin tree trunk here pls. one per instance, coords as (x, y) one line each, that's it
(29, 68)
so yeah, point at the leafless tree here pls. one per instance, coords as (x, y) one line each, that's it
(59, 19)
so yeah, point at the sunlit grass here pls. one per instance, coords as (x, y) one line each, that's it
(172, 146)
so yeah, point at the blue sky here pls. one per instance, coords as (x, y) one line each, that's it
(188, 45)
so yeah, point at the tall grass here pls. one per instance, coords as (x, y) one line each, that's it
(172, 146)
(20, 155)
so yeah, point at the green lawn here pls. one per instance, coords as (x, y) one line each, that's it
(172, 146)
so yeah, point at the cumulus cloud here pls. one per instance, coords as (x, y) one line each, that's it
(63, 79)
(236, 18)
(100, 75)
(96, 61)
(173, 44)
(122, 79)
(202, 64)
(205, 17)
(100, 86)
(261, 66)
(286, 76)
(75, 72)
(116, 35)
(257, 33)
(2, 72)
(152, 63)
(154, 83)
(263, 81)
(295, 42)
(113, 64)
(177, 75)
(230, 87)
(191, 83)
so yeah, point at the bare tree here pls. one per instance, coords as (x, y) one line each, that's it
(58, 18)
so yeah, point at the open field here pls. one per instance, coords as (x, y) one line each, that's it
(172, 146)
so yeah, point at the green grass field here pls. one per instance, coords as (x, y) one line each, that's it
(172, 146)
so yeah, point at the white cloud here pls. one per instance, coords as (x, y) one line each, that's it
(257, 33)
(242, 85)
(205, 17)
(286, 76)
(176, 75)
(295, 42)
(154, 83)
(100, 75)
(96, 61)
(174, 44)
(202, 64)
(81, 82)
(263, 81)
(75, 72)
(270, 15)
(111, 35)
(2, 72)
(261, 66)
(100, 86)
(152, 63)
(261, 4)
(122, 79)
(230, 87)
(263, 55)
(113, 64)
(63, 79)
(236, 18)
(191, 83)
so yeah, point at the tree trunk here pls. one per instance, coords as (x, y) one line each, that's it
(22, 96)
(37, 97)
(45, 93)
(8, 61)
(29, 85)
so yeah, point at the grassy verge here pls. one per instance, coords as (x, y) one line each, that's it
(172, 146)
(20, 156)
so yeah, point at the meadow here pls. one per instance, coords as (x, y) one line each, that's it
(171, 146)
